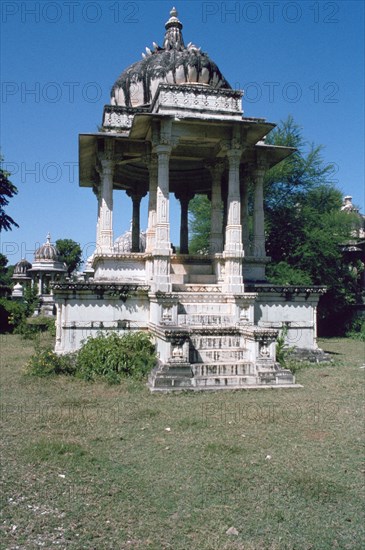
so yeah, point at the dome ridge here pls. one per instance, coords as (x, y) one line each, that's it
(47, 251)
(173, 63)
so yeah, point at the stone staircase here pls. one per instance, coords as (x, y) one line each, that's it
(220, 349)
(219, 360)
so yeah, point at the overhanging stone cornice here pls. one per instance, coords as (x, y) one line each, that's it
(112, 289)
(285, 290)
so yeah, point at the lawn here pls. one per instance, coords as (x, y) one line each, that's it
(113, 467)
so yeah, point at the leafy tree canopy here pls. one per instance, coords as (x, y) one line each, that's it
(305, 169)
(304, 226)
(199, 224)
(7, 191)
(70, 253)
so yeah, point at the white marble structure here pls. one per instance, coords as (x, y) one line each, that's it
(21, 278)
(45, 270)
(174, 125)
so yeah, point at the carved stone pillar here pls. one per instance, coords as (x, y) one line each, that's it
(162, 248)
(258, 213)
(233, 250)
(184, 197)
(225, 202)
(136, 225)
(96, 191)
(152, 199)
(244, 212)
(216, 224)
(105, 243)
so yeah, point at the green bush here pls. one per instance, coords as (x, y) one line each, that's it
(35, 325)
(282, 348)
(113, 357)
(12, 315)
(284, 274)
(45, 362)
(357, 329)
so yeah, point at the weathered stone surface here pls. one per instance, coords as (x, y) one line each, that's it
(175, 126)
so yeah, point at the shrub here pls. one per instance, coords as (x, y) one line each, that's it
(284, 274)
(357, 329)
(282, 348)
(35, 325)
(45, 362)
(12, 315)
(113, 357)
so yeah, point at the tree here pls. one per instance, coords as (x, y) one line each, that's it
(199, 222)
(304, 226)
(7, 191)
(70, 254)
(298, 173)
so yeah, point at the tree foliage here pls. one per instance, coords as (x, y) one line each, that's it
(70, 253)
(304, 226)
(7, 191)
(305, 169)
(5, 271)
(199, 224)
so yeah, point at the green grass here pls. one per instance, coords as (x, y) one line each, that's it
(113, 467)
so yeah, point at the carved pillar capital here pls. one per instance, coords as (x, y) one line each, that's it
(259, 172)
(234, 156)
(162, 150)
(215, 167)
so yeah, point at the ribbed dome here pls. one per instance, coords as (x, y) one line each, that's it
(124, 243)
(47, 251)
(174, 63)
(22, 267)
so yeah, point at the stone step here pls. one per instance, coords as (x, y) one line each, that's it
(191, 308)
(217, 355)
(216, 342)
(224, 381)
(205, 279)
(209, 319)
(213, 370)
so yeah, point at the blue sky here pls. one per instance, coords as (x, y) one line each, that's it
(60, 59)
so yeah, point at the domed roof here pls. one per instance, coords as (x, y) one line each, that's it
(174, 63)
(47, 251)
(22, 267)
(124, 243)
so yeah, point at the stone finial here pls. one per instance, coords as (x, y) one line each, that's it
(173, 21)
(173, 37)
(48, 238)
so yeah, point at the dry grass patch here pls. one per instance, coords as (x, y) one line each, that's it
(97, 466)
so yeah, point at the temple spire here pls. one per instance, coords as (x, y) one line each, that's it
(173, 36)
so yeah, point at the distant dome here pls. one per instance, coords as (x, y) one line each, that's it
(22, 267)
(124, 243)
(174, 63)
(47, 251)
